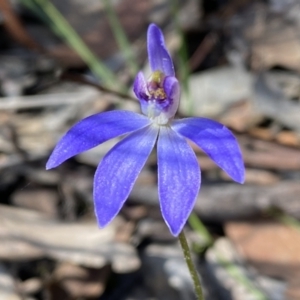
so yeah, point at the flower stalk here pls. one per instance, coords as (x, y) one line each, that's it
(192, 269)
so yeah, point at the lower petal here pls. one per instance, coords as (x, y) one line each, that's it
(94, 130)
(118, 171)
(216, 141)
(178, 178)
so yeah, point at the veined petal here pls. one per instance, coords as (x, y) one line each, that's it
(216, 141)
(178, 178)
(94, 130)
(140, 86)
(172, 90)
(118, 171)
(159, 57)
(140, 90)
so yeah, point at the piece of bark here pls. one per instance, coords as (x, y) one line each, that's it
(27, 235)
(234, 279)
(271, 102)
(7, 285)
(276, 45)
(284, 137)
(78, 282)
(272, 248)
(288, 138)
(82, 95)
(241, 116)
(256, 176)
(269, 155)
(234, 85)
(15, 27)
(42, 200)
(30, 286)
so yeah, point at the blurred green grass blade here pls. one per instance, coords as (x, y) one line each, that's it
(200, 228)
(235, 273)
(290, 221)
(121, 37)
(284, 218)
(183, 67)
(65, 30)
(205, 238)
(230, 267)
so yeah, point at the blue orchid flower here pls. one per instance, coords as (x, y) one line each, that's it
(178, 170)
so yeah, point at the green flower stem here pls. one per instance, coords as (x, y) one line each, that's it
(188, 259)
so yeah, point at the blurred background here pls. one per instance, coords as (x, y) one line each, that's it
(238, 62)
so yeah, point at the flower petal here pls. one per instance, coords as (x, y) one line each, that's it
(140, 86)
(159, 57)
(140, 90)
(216, 141)
(94, 130)
(118, 171)
(172, 89)
(178, 178)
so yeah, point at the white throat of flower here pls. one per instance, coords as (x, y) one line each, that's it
(161, 118)
(157, 96)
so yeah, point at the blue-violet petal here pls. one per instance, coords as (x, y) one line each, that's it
(94, 130)
(118, 171)
(216, 141)
(172, 90)
(178, 178)
(159, 57)
(141, 92)
(140, 86)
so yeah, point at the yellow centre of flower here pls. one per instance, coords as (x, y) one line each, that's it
(155, 85)
(157, 77)
(158, 94)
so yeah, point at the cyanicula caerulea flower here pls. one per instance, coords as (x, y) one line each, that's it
(178, 169)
